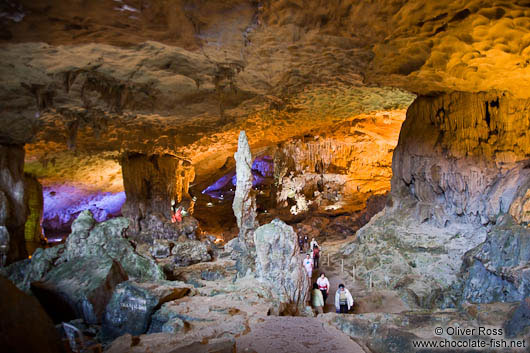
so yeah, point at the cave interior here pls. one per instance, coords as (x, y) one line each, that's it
(166, 167)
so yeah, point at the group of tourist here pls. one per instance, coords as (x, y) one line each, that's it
(343, 297)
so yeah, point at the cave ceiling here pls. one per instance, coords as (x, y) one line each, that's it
(83, 81)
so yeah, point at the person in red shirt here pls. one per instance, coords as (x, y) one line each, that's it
(316, 255)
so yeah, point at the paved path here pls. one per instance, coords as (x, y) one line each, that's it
(295, 335)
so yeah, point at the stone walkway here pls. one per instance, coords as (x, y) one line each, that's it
(295, 335)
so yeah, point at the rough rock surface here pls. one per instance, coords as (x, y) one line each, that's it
(190, 252)
(244, 204)
(497, 270)
(89, 238)
(79, 288)
(23, 273)
(420, 260)
(390, 333)
(459, 164)
(132, 304)
(13, 207)
(519, 320)
(462, 156)
(25, 326)
(158, 226)
(279, 266)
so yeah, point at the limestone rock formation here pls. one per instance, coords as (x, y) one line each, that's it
(497, 270)
(89, 238)
(244, 204)
(79, 288)
(151, 183)
(23, 273)
(462, 155)
(519, 320)
(25, 326)
(132, 304)
(185, 253)
(13, 207)
(459, 164)
(278, 265)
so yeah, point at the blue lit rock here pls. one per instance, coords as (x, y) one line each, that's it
(133, 303)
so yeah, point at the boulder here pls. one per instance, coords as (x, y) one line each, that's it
(190, 252)
(25, 326)
(133, 303)
(278, 265)
(161, 248)
(89, 238)
(79, 288)
(42, 261)
(497, 270)
(158, 226)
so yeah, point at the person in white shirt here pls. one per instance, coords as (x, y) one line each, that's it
(312, 244)
(323, 285)
(343, 300)
(308, 264)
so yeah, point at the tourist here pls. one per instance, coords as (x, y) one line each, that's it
(343, 300)
(306, 240)
(313, 244)
(316, 256)
(308, 264)
(323, 285)
(317, 299)
(301, 243)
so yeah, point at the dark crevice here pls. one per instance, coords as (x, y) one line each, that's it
(487, 117)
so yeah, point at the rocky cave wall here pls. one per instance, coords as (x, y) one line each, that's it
(151, 183)
(455, 229)
(463, 156)
(13, 211)
(341, 166)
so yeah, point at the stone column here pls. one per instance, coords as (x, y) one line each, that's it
(13, 212)
(151, 182)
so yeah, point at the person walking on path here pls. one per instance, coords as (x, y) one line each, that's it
(343, 300)
(313, 244)
(316, 255)
(323, 285)
(308, 264)
(317, 299)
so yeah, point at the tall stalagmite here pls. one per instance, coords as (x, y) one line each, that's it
(244, 204)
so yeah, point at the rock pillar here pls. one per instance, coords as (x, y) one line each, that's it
(13, 212)
(244, 204)
(151, 182)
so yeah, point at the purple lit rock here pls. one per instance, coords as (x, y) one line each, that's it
(63, 203)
